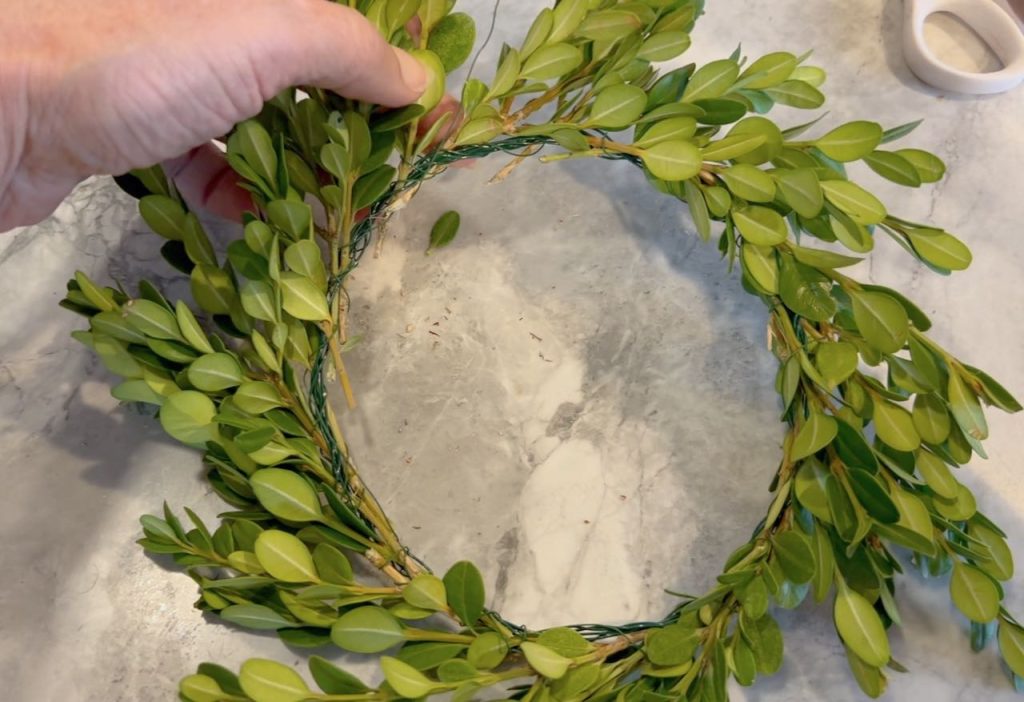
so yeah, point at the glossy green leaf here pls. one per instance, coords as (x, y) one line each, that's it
(793, 550)
(851, 142)
(285, 557)
(937, 474)
(815, 434)
(1000, 566)
(552, 61)
(406, 680)
(214, 372)
(893, 167)
(617, 107)
(749, 182)
(931, 419)
(445, 229)
(302, 299)
(966, 409)
(940, 249)
(269, 681)
(333, 680)
(858, 203)
(367, 630)
(761, 226)
(673, 160)
(712, 80)
(974, 593)
(152, 319)
(487, 651)
(929, 167)
(801, 190)
(671, 645)
(895, 426)
(465, 591)
(873, 496)
(253, 616)
(286, 495)
(188, 417)
(1011, 646)
(882, 320)
(861, 628)
(304, 258)
(545, 661)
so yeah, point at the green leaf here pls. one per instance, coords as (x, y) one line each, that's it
(566, 18)
(873, 496)
(815, 434)
(801, 190)
(285, 557)
(565, 642)
(152, 319)
(200, 688)
(424, 656)
(805, 290)
(452, 40)
(937, 474)
(766, 642)
(671, 645)
(406, 680)
(1000, 566)
(760, 225)
(304, 258)
(444, 230)
(609, 25)
(617, 107)
(212, 289)
(545, 661)
(858, 203)
(940, 249)
(793, 551)
(190, 328)
(552, 61)
(188, 417)
(254, 144)
(929, 167)
(269, 681)
(372, 187)
(539, 32)
(286, 495)
(733, 147)
(759, 126)
(712, 80)
(798, 94)
(966, 409)
(673, 160)
(995, 393)
(257, 397)
(426, 591)
(214, 372)
(760, 263)
(749, 182)
(253, 616)
(258, 300)
(860, 627)
(893, 167)
(664, 46)
(465, 591)
(487, 651)
(367, 630)
(164, 216)
(824, 558)
(870, 679)
(333, 680)
(302, 299)
(836, 361)
(851, 142)
(974, 593)
(881, 319)
(1011, 646)
(931, 419)
(294, 218)
(901, 131)
(895, 426)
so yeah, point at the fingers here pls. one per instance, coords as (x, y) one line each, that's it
(204, 179)
(340, 50)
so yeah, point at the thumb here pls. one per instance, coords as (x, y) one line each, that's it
(340, 50)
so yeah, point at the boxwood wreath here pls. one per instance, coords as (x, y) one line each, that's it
(878, 415)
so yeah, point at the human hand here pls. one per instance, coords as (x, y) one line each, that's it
(88, 88)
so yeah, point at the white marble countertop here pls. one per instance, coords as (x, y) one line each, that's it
(575, 395)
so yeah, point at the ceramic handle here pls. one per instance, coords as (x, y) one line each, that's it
(991, 23)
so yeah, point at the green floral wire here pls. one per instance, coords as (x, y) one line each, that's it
(424, 169)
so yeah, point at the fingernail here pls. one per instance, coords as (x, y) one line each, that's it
(414, 75)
